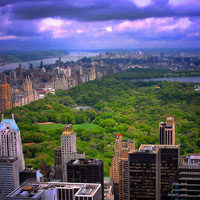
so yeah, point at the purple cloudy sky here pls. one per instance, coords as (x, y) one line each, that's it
(91, 24)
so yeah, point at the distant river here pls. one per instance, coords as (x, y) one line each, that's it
(193, 79)
(74, 56)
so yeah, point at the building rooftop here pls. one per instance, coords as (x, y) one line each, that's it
(11, 122)
(157, 146)
(68, 130)
(193, 160)
(85, 161)
(32, 190)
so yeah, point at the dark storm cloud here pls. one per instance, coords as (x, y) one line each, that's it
(54, 24)
(12, 2)
(98, 10)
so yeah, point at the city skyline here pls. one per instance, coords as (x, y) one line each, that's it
(27, 25)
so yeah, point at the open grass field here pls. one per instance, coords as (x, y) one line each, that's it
(48, 127)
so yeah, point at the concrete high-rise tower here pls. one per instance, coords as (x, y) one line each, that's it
(122, 148)
(5, 97)
(68, 149)
(167, 132)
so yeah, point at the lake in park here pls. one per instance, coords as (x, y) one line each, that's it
(192, 79)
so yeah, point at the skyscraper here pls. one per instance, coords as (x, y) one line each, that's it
(151, 171)
(143, 170)
(86, 171)
(122, 147)
(5, 97)
(167, 132)
(11, 156)
(68, 149)
(10, 141)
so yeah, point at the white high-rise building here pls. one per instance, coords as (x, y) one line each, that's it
(11, 156)
(68, 149)
(10, 141)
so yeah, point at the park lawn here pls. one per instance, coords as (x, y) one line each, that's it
(48, 127)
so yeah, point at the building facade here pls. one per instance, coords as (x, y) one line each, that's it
(143, 175)
(9, 176)
(86, 171)
(122, 147)
(28, 174)
(167, 132)
(123, 178)
(186, 185)
(5, 97)
(58, 163)
(152, 170)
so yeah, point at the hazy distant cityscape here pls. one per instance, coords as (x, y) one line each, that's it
(33, 83)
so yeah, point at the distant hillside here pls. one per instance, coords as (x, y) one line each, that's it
(21, 56)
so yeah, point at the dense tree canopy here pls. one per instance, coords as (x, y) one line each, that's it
(118, 105)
